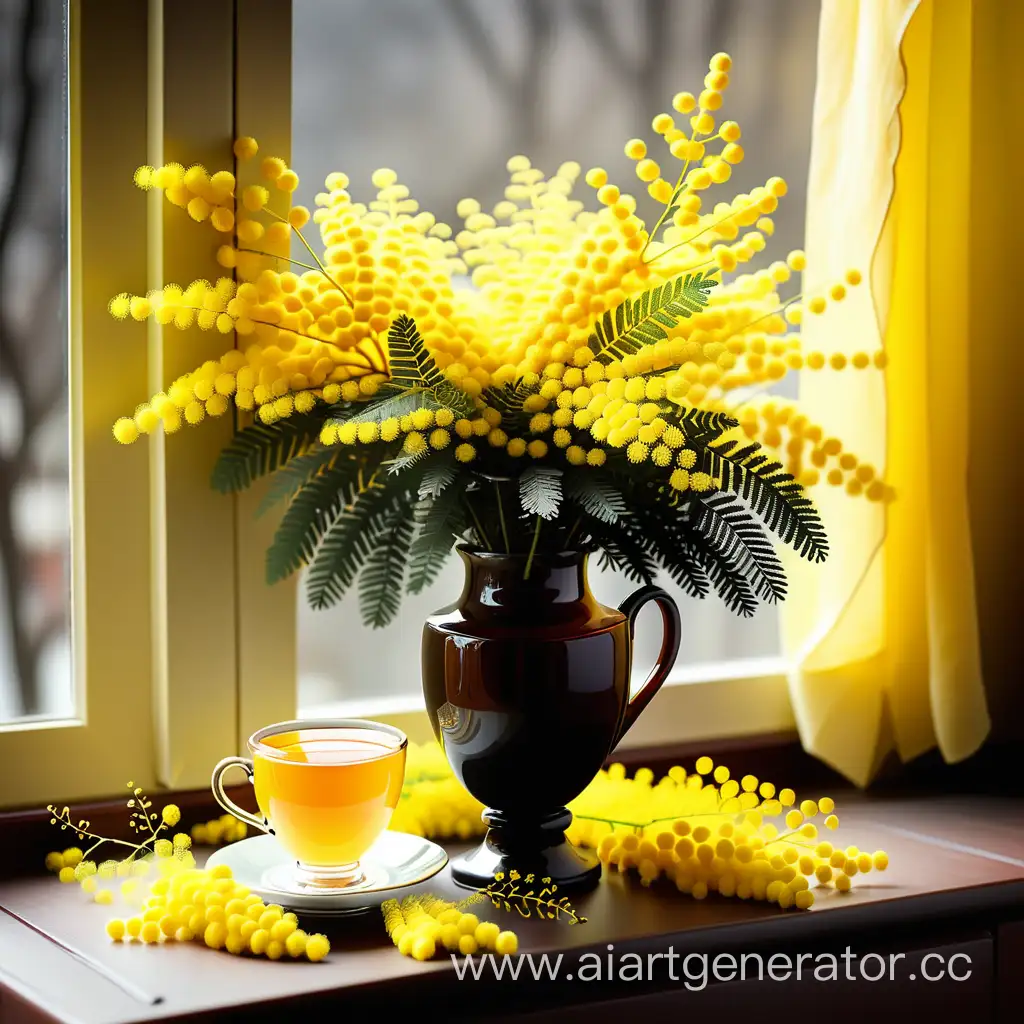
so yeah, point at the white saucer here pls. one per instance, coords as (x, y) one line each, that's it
(396, 861)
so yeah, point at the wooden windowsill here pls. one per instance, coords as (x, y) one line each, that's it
(956, 875)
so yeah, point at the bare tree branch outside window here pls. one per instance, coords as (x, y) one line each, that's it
(34, 517)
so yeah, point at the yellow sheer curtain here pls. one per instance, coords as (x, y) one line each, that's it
(884, 637)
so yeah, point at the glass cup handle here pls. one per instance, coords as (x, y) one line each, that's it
(217, 784)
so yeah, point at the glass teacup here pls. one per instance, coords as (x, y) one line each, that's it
(326, 788)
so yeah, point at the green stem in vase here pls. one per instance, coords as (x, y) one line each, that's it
(479, 528)
(533, 550)
(501, 517)
(572, 530)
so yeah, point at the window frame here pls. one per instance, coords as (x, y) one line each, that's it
(109, 526)
(180, 647)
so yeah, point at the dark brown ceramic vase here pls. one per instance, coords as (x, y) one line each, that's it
(526, 682)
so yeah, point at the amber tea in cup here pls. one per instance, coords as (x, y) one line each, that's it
(325, 788)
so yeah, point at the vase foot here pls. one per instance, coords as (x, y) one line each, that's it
(538, 848)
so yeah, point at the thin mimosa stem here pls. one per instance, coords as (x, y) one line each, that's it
(501, 516)
(533, 550)
(479, 527)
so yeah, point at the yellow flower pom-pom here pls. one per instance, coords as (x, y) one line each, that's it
(637, 452)
(414, 443)
(660, 190)
(804, 899)
(383, 177)
(255, 197)
(684, 102)
(295, 944)
(287, 181)
(126, 430)
(222, 218)
(647, 170)
(506, 944)
(317, 947)
(636, 149)
(245, 148)
(198, 208)
(298, 217)
(663, 123)
(596, 177)
(171, 814)
(272, 168)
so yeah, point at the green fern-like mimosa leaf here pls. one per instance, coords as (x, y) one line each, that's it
(259, 449)
(443, 520)
(596, 494)
(648, 317)
(382, 578)
(347, 545)
(740, 539)
(291, 477)
(310, 513)
(413, 369)
(770, 492)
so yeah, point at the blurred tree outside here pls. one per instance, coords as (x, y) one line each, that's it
(35, 668)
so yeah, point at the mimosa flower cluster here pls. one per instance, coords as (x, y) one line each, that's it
(192, 905)
(173, 899)
(217, 831)
(151, 829)
(420, 926)
(703, 831)
(476, 368)
(434, 803)
(706, 832)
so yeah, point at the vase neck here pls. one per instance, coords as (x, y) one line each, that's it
(497, 582)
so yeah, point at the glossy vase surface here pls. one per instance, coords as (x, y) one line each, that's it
(527, 679)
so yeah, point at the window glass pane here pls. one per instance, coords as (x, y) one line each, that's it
(444, 92)
(35, 658)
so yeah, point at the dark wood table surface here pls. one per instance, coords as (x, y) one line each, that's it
(956, 877)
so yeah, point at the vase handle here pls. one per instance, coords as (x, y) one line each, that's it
(667, 656)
